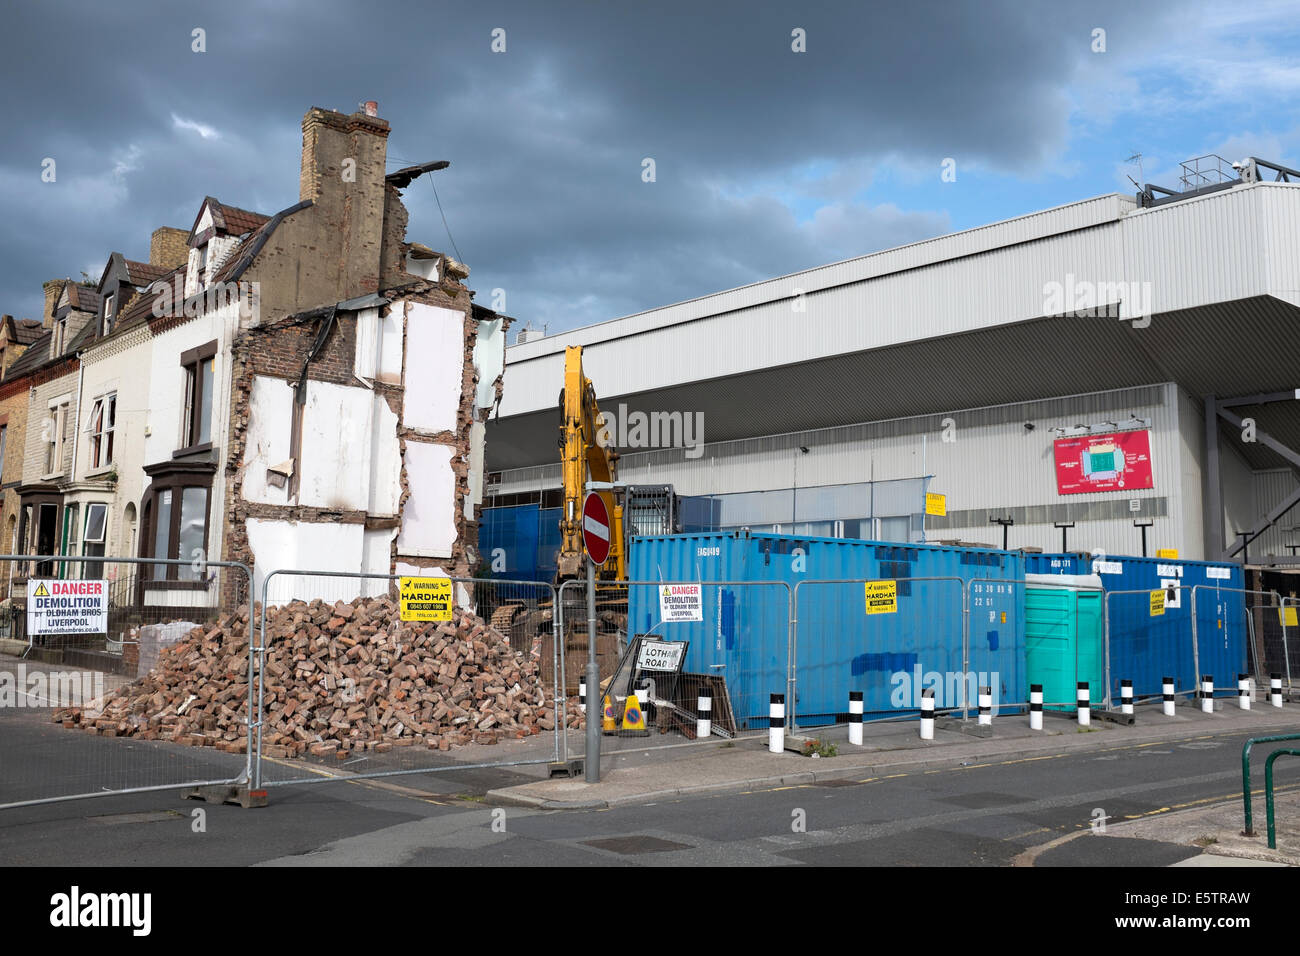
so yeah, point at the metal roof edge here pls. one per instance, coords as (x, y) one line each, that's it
(552, 344)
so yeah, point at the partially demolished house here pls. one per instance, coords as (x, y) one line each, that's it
(303, 389)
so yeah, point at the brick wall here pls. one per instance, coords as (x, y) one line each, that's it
(279, 352)
(13, 412)
(33, 467)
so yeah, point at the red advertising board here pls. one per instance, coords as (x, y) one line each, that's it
(1116, 462)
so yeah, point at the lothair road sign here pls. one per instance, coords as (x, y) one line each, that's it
(595, 528)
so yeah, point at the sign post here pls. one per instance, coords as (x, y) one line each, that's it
(595, 538)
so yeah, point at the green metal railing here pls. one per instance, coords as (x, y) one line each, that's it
(1268, 792)
(1268, 780)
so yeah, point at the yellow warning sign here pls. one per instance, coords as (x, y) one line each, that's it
(41, 590)
(1157, 603)
(1288, 617)
(882, 597)
(425, 599)
(1169, 553)
(936, 504)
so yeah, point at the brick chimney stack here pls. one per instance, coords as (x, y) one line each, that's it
(53, 288)
(342, 172)
(168, 248)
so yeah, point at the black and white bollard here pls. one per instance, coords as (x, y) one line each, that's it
(986, 707)
(1035, 706)
(927, 714)
(703, 713)
(1243, 692)
(1126, 697)
(1168, 690)
(1275, 689)
(582, 695)
(1084, 703)
(1207, 694)
(776, 724)
(855, 718)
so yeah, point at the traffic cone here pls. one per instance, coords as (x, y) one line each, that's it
(608, 721)
(634, 718)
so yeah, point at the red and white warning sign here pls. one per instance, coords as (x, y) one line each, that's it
(67, 607)
(680, 602)
(595, 528)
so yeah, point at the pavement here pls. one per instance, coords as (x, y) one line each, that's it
(656, 772)
(975, 796)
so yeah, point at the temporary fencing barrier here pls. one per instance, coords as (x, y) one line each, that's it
(93, 625)
(737, 636)
(1224, 630)
(1149, 636)
(392, 684)
(889, 639)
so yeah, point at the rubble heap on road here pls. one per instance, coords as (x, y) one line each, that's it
(340, 678)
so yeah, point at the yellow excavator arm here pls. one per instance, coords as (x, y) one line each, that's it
(585, 458)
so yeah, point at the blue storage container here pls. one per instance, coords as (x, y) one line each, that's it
(520, 541)
(1146, 648)
(839, 647)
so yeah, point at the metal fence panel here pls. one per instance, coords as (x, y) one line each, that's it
(735, 631)
(1145, 648)
(118, 685)
(350, 684)
(843, 643)
(1233, 633)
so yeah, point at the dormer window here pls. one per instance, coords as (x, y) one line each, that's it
(203, 266)
(109, 301)
(60, 333)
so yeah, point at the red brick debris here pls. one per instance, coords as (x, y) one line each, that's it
(340, 678)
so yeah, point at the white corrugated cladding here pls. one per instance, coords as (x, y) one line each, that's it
(944, 286)
(1271, 487)
(994, 466)
(1227, 245)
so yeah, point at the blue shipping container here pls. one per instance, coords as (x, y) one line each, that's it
(839, 647)
(1146, 648)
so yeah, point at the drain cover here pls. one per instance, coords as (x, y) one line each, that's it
(629, 845)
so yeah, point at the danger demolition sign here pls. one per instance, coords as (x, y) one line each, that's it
(681, 602)
(67, 607)
(425, 599)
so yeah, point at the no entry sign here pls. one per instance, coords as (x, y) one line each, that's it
(595, 528)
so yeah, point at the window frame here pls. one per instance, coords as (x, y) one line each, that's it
(106, 325)
(193, 376)
(177, 481)
(54, 448)
(105, 406)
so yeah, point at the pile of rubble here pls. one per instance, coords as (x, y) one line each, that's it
(340, 678)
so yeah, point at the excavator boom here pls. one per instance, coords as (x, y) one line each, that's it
(585, 458)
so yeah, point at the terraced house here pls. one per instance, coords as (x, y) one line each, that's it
(299, 388)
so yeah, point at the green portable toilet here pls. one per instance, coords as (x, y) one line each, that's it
(1064, 639)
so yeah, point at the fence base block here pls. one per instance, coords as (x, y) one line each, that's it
(1116, 717)
(971, 728)
(573, 767)
(236, 795)
(795, 743)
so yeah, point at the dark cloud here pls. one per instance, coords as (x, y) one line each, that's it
(544, 196)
